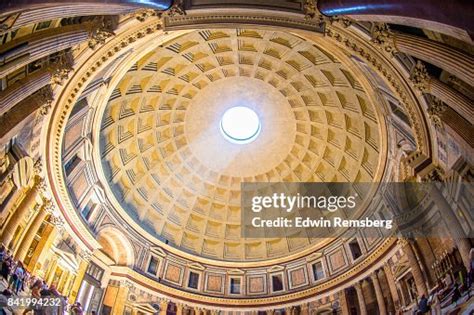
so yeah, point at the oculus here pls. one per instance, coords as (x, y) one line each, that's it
(240, 125)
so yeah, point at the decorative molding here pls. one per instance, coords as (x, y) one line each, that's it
(207, 20)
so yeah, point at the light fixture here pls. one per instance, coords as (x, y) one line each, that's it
(240, 125)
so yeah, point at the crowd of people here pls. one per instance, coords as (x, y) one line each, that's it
(19, 282)
(448, 291)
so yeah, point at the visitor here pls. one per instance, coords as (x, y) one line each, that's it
(456, 293)
(18, 275)
(5, 310)
(35, 293)
(423, 306)
(5, 268)
(77, 309)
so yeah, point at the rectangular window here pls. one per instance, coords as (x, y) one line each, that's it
(193, 281)
(42, 25)
(355, 249)
(318, 271)
(88, 210)
(153, 265)
(71, 164)
(277, 283)
(234, 285)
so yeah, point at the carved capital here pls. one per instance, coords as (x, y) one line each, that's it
(420, 77)
(48, 206)
(176, 9)
(61, 67)
(435, 111)
(382, 37)
(100, 29)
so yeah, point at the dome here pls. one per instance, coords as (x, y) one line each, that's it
(175, 175)
(139, 140)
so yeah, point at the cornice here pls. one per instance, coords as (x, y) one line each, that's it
(373, 261)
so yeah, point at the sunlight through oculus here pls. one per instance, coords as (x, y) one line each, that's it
(240, 125)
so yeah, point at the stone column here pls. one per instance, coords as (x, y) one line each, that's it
(42, 251)
(122, 296)
(15, 219)
(454, 99)
(85, 257)
(10, 202)
(51, 270)
(391, 285)
(449, 216)
(343, 302)
(445, 57)
(305, 309)
(457, 127)
(22, 88)
(41, 99)
(360, 298)
(454, 13)
(450, 59)
(163, 306)
(179, 309)
(415, 267)
(30, 234)
(378, 293)
(7, 187)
